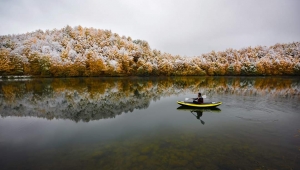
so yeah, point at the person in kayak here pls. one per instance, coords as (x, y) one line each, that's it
(198, 100)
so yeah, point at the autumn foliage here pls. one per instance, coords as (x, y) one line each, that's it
(78, 51)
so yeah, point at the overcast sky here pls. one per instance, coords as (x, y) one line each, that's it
(183, 27)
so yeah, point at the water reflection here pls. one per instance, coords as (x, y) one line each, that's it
(198, 112)
(257, 128)
(86, 99)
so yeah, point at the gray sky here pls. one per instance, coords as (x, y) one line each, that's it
(183, 27)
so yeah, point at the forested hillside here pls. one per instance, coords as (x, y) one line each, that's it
(79, 51)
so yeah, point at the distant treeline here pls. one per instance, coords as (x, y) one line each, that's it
(78, 51)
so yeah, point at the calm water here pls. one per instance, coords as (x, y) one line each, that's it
(135, 123)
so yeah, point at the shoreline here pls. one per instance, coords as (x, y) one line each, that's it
(13, 77)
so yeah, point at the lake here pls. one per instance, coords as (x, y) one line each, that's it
(135, 123)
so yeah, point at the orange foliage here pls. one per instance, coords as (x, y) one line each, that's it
(82, 51)
(5, 65)
(33, 66)
(94, 65)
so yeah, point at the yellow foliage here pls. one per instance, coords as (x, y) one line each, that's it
(97, 67)
(133, 56)
(34, 64)
(5, 66)
(210, 71)
(165, 68)
(237, 68)
(94, 65)
(261, 67)
(125, 65)
(148, 68)
(57, 70)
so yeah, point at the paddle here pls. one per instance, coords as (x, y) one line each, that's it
(202, 122)
(204, 97)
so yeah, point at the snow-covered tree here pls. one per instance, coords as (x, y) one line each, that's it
(80, 51)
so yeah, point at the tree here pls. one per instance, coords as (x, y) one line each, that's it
(94, 65)
(5, 65)
(33, 67)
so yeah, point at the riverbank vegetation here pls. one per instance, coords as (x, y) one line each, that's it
(78, 51)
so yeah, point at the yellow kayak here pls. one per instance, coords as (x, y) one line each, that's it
(207, 104)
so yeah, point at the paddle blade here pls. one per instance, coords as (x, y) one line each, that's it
(204, 96)
(187, 98)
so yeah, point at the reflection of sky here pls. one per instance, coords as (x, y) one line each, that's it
(161, 116)
(246, 120)
(75, 103)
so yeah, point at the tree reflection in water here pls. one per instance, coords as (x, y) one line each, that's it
(85, 99)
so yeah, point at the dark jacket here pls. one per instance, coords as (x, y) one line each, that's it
(198, 100)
